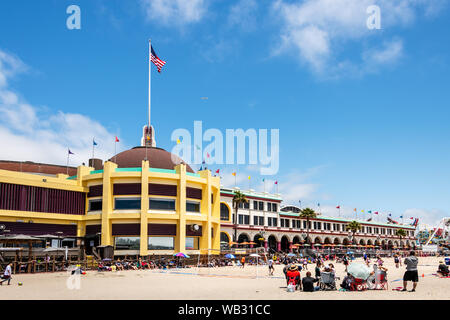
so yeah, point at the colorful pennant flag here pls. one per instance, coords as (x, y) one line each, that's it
(117, 139)
(234, 174)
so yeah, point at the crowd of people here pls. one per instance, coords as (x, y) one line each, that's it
(376, 279)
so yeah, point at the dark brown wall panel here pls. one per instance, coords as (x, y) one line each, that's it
(95, 191)
(93, 229)
(28, 198)
(38, 229)
(126, 229)
(155, 229)
(194, 193)
(162, 189)
(127, 189)
(191, 233)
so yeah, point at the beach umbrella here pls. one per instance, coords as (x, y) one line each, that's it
(359, 271)
(181, 254)
(230, 256)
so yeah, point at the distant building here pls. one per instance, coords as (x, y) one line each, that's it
(264, 223)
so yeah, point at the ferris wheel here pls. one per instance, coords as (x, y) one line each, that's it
(442, 230)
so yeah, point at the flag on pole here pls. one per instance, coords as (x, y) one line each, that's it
(234, 174)
(376, 212)
(276, 182)
(178, 141)
(217, 171)
(249, 177)
(263, 179)
(354, 209)
(338, 207)
(70, 152)
(117, 139)
(156, 61)
(93, 142)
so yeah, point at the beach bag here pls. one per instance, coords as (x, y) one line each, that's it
(290, 288)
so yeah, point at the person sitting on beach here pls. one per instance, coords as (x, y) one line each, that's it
(293, 277)
(119, 265)
(308, 283)
(442, 269)
(317, 270)
(347, 281)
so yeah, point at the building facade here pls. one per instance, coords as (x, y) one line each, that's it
(138, 206)
(261, 221)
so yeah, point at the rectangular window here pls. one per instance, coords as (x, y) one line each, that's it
(261, 206)
(241, 219)
(274, 207)
(275, 222)
(269, 222)
(246, 219)
(261, 221)
(255, 220)
(241, 205)
(192, 206)
(255, 205)
(95, 205)
(127, 203)
(287, 223)
(192, 243)
(127, 243)
(161, 243)
(246, 205)
(269, 206)
(162, 204)
(282, 222)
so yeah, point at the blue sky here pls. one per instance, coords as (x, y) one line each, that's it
(363, 114)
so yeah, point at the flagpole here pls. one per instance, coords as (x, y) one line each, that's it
(148, 135)
(93, 148)
(149, 81)
(67, 167)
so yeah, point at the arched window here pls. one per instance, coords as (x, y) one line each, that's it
(224, 212)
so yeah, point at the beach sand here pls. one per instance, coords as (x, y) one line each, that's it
(223, 283)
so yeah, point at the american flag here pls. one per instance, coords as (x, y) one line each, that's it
(157, 61)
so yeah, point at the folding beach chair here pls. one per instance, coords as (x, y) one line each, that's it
(327, 281)
(378, 281)
(358, 285)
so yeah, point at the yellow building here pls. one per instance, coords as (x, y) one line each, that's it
(138, 206)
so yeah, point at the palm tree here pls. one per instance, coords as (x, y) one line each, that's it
(238, 198)
(307, 214)
(400, 233)
(353, 226)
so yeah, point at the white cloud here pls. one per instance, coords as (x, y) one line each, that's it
(176, 12)
(31, 133)
(317, 31)
(242, 14)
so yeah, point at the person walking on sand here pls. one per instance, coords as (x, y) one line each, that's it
(7, 274)
(411, 273)
(396, 260)
(243, 262)
(271, 269)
